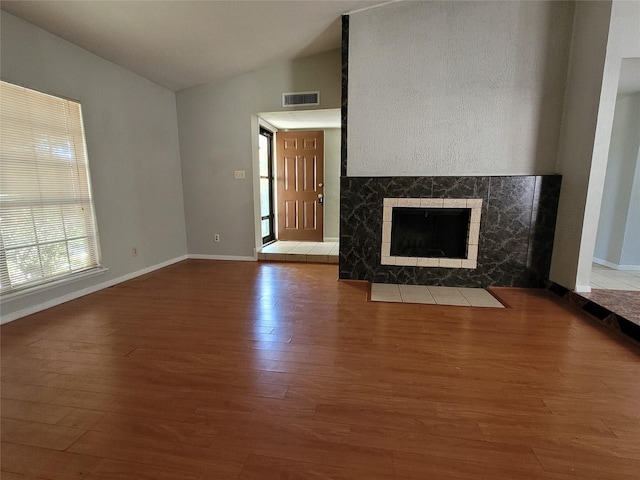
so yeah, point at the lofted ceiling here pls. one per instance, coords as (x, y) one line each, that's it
(181, 44)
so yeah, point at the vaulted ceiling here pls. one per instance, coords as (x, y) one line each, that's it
(181, 44)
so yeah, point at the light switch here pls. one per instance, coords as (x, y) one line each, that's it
(239, 175)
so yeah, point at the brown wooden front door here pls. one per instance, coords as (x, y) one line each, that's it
(300, 180)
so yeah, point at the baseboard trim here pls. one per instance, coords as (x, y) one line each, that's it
(331, 239)
(582, 289)
(615, 266)
(86, 291)
(234, 258)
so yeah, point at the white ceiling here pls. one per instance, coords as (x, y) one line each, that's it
(182, 43)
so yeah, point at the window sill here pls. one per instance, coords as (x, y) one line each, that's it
(53, 284)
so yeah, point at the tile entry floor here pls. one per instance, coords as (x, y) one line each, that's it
(288, 251)
(468, 297)
(605, 278)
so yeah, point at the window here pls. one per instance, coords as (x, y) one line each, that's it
(47, 224)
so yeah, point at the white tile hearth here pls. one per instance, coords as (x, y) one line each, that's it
(467, 297)
(416, 294)
(382, 292)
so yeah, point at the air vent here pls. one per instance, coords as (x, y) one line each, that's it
(300, 98)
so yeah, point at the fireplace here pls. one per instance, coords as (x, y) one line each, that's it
(514, 240)
(431, 232)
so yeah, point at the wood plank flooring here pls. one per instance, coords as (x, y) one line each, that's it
(247, 371)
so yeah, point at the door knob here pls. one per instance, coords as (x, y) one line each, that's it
(320, 199)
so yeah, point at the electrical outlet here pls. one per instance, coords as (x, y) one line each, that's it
(134, 251)
(216, 237)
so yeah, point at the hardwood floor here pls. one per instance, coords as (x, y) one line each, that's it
(234, 370)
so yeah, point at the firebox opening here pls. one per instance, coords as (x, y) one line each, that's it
(430, 232)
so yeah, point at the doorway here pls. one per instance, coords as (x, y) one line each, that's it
(329, 121)
(617, 249)
(615, 274)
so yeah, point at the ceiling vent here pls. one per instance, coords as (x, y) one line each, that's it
(300, 98)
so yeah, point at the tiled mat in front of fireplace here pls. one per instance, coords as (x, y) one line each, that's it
(467, 297)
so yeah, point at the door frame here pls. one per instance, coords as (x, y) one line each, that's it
(271, 176)
(256, 122)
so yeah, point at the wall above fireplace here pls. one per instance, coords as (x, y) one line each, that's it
(516, 229)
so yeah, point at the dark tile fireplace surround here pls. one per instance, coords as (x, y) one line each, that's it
(516, 229)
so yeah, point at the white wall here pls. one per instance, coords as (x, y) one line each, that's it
(132, 143)
(218, 135)
(604, 33)
(620, 207)
(457, 88)
(584, 83)
(332, 182)
(630, 257)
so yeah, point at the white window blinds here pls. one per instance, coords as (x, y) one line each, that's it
(47, 224)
